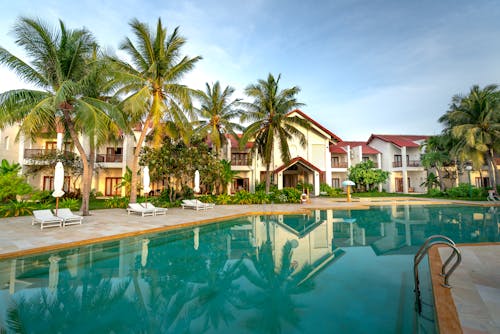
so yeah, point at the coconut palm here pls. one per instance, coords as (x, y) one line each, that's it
(151, 83)
(277, 281)
(436, 156)
(60, 62)
(217, 110)
(270, 120)
(475, 121)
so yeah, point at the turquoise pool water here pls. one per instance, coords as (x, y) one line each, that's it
(327, 272)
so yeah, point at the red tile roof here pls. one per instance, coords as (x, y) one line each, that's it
(297, 160)
(365, 149)
(301, 113)
(400, 140)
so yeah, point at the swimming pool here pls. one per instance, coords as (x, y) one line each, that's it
(323, 272)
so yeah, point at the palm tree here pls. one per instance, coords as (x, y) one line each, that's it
(475, 121)
(151, 83)
(435, 156)
(218, 111)
(60, 64)
(270, 120)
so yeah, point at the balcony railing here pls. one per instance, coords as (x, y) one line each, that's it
(109, 158)
(339, 164)
(241, 162)
(410, 163)
(41, 153)
(396, 164)
(414, 163)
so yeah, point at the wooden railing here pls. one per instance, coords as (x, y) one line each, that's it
(339, 164)
(40, 153)
(241, 161)
(410, 163)
(109, 158)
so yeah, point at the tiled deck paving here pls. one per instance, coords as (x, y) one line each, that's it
(476, 284)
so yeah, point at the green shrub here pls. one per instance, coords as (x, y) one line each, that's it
(292, 194)
(262, 186)
(15, 209)
(329, 191)
(12, 185)
(42, 196)
(435, 193)
(70, 203)
(242, 197)
(260, 197)
(465, 190)
(117, 202)
(222, 199)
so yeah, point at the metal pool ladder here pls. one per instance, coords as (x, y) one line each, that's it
(424, 249)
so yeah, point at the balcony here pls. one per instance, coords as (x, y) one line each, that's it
(409, 163)
(109, 158)
(43, 153)
(241, 161)
(339, 164)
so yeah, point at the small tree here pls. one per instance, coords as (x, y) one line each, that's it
(364, 174)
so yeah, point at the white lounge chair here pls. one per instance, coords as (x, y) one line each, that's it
(207, 205)
(46, 219)
(196, 204)
(69, 218)
(158, 211)
(139, 209)
(492, 196)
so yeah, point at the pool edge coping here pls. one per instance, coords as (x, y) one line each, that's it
(447, 318)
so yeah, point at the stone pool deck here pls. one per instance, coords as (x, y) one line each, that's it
(477, 291)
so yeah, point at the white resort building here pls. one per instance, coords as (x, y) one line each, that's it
(325, 158)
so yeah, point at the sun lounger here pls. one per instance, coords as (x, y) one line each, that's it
(196, 204)
(69, 218)
(207, 205)
(492, 196)
(157, 211)
(46, 219)
(139, 209)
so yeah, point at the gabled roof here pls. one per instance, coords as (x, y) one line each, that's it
(234, 142)
(297, 160)
(321, 127)
(400, 140)
(340, 148)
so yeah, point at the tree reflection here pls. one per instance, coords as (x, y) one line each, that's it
(276, 284)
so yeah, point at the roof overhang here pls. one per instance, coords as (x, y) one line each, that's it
(298, 160)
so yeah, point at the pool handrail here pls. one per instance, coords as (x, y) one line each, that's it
(423, 250)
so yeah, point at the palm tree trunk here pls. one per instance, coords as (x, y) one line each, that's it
(440, 176)
(135, 161)
(268, 178)
(85, 162)
(493, 170)
(86, 197)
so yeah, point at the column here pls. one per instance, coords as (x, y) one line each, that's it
(405, 170)
(328, 165)
(316, 183)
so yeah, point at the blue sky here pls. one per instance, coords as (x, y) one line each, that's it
(386, 67)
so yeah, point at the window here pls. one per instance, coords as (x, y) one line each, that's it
(240, 184)
(398, 161)
(51, 145)
(336, 182)
(111, 188)
(6, 142)
(48, 183)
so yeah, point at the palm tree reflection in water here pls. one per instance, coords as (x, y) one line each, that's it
(180, 289)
